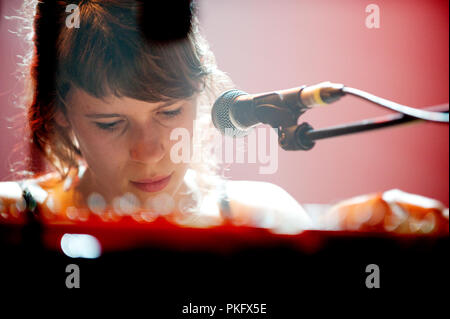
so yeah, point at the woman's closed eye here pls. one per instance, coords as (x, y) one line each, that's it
(110, 126)
(172, 113)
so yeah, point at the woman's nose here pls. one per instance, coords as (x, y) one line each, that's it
(148, 147)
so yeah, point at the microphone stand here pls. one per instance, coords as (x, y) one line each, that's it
(302, 137)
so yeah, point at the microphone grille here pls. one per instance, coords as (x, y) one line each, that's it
(221, 114)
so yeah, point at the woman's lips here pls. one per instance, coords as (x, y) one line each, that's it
(152, 185)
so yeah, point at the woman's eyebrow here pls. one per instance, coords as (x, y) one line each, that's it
(108, 115)
(102, 115)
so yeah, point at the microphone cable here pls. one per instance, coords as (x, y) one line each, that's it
(411, 111)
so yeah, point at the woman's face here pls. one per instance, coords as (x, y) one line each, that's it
(126, 142)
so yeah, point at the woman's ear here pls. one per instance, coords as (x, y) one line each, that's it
(61, 119)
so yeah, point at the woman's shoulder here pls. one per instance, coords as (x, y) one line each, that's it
(12, 201)
(10, 192)
(39, 187)
(264, 204)
(14, 189)
(257, 193)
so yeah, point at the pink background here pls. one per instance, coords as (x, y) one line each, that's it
(267, 45)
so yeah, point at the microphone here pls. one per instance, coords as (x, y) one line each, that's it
(235, 112)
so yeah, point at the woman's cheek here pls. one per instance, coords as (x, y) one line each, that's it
(100, 151)
(107, 164)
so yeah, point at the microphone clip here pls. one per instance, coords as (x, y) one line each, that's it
(295, 138)
(291, 137)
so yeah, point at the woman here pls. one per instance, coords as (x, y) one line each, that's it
(106, 97)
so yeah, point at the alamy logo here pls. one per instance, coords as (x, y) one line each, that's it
(373, 19)
(73, 19)
(73, 279)
(261, 148)
(373, 279)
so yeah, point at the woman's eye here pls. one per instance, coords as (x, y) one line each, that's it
(173, 113)
(108, 126)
